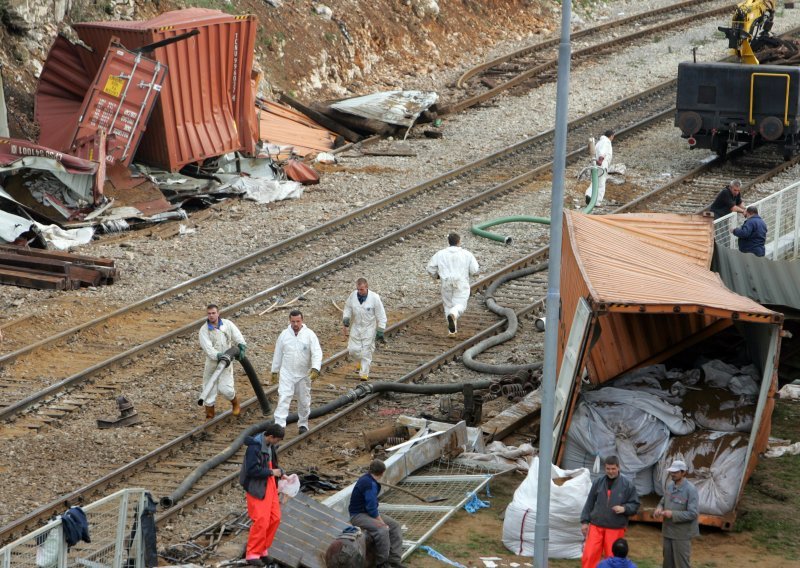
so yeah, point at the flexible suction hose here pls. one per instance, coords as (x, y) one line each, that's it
(351, 396)
(513, 324)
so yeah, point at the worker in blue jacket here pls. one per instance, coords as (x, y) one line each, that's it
(387, 533)
(753, 233)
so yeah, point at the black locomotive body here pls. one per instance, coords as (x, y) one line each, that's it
(720, 105)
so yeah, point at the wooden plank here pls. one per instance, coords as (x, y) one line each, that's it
(512, 418)
(59, 255)
(29, 279)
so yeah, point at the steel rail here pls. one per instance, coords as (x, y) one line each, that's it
(172, 446)
(588, 51)
(328, 226)
(15, 408)
(550, 43)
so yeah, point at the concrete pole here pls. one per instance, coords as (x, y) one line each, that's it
(542, 538)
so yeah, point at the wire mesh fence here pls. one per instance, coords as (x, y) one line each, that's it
(781, 212)
(114, 526)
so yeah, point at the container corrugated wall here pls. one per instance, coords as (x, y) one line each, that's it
(206, 107)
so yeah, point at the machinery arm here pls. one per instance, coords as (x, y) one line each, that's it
(751, 20)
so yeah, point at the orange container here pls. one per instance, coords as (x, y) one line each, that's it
(206, 107)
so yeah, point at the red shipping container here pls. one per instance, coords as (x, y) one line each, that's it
(206, 107)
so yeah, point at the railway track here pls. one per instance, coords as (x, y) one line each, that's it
(535, 65)
(55, 364)
(414, 349)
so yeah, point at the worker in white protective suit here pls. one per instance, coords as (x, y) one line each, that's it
(603, 153)
(217, 335)
(364, 320)
(453, 266)
(295, 365)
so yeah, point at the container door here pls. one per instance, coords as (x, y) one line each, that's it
(570, 367)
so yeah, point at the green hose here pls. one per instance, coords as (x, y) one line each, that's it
(480, 228)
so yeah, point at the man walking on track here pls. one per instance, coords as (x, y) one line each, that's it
(216, 336)
(364, 320)
(295, 365)
(453, 266)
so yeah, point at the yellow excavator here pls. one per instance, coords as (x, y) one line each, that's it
(751, 23)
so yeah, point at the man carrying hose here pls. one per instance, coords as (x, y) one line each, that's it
(364, 320)
(603, 153)
(453, 266)
(217, 335)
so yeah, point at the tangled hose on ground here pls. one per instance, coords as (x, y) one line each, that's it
(351, 396)
(513, 324)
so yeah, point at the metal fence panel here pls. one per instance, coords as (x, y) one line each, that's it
(114, 531)
(781, 213)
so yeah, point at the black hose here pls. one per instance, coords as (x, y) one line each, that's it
(513, 324)
(250, 371)
(351, 396)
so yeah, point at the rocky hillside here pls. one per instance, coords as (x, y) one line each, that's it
(309, 48)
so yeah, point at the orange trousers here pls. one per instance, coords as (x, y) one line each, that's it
(266, 516)
(598, 545)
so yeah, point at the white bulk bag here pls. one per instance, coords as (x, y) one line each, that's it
(567, 498)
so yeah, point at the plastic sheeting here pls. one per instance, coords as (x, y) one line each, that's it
(498, 452)
(263, 190)
(12, 226)
(598, 430)
(568, 492)
(716, 462)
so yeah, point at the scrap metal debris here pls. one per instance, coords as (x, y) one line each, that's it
(53, 270)
(128, 415)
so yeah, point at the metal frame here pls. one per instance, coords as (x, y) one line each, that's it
(109, 528)
(781, 213)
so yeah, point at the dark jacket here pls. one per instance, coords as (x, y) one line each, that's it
(724, 202)
(364, 498)
(597, 509)
(615, 562)
(752, 235)
(76, 526)
(255, 472)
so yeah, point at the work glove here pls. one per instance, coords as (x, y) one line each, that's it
(346, 322)
(379, 335)
(242, 349)
(314, 374)
(274, 378)
(220, 356)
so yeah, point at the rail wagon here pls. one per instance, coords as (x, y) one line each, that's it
(721, 105)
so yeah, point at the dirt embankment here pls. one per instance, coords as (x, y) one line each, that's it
(307, 48)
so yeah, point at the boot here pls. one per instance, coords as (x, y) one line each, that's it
(236, 409)
(209, 412)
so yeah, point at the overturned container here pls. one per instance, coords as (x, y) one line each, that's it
(206, 107)
(638, 303)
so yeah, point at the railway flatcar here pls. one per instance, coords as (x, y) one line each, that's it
(721, 105)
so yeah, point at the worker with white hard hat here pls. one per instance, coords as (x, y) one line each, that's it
(678, 510)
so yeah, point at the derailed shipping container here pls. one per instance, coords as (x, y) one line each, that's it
(636, 291)
(207, 105)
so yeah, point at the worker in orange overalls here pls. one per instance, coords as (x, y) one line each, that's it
(612, 499)
(259, 476)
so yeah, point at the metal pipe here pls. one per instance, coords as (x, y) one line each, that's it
(542, 535)
(351, 396)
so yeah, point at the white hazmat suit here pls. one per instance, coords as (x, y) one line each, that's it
(365, 319)
(454, 265)
(295, 356)
(603, 153)
(213, 340)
